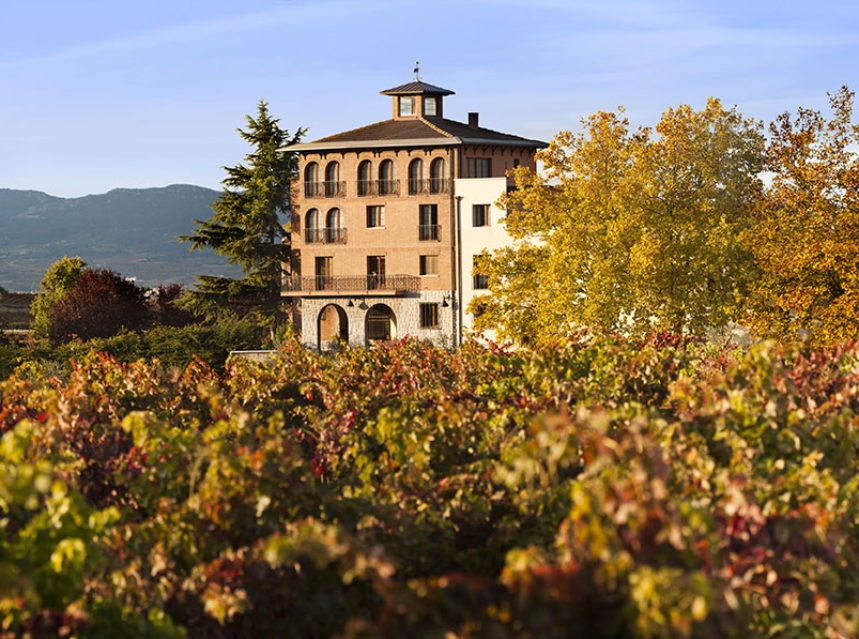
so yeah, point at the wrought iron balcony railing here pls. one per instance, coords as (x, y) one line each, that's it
(351, 283)
(418, 186)
(325, 236)
(325, 189)
(378, 187)
(439, 185)
(429, 232)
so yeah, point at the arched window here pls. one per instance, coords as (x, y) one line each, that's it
(312, 231)
(334, 231)
(365, 178)
(332, 180)
(311, 180)
(387, 179)
(416, 177)
(438, 180)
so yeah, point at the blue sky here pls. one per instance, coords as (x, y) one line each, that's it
(97, 94)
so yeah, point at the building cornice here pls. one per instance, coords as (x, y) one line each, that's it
(354, 145)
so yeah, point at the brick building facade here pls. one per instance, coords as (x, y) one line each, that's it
(377, 223)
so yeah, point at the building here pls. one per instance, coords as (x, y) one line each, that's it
(387, 219)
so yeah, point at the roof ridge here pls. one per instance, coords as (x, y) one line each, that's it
(436, 128)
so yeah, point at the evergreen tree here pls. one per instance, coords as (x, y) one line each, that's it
(247, 225)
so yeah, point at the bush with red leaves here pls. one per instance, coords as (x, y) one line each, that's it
(101, 304)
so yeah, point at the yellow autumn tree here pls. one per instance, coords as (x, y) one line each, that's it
(806, 238)
(631, 231)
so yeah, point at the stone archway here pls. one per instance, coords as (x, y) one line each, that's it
(332, 326)
(381, 324)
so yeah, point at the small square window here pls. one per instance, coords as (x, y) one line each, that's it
(407, 106)
(429, 264)
(480, 215)
(429, 315)
(429, 106)
(479, 281)
(375, 217)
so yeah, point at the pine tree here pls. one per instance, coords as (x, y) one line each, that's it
(247, 225)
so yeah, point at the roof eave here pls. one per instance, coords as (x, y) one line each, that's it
(391, 144)
(369, 144)
(493, 142)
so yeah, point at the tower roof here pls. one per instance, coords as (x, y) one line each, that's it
(417, 86)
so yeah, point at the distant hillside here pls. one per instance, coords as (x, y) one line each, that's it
(132, 231)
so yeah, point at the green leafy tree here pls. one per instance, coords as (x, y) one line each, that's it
(627, 230)
(247, 226)
(59, 279)
(806, 240)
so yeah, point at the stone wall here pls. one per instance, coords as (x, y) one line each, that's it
(406, 312)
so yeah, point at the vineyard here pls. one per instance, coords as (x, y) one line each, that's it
(592, 488)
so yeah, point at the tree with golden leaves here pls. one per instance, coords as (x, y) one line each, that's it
(806, 240)
(630, 231)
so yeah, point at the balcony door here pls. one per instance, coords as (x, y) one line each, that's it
(375, 271)
(324, 273)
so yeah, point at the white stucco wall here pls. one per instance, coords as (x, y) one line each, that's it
(476, 239)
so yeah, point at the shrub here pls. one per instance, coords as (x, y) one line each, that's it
(99, 304)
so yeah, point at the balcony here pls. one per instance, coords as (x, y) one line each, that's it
(439, 185)
(429, 233)
(368, 188)
(322, 285)
(325, 236)
(325, 189)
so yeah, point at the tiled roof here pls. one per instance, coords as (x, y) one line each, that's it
(464, 131)
(417, 86)
(430, 129)
(388, 130)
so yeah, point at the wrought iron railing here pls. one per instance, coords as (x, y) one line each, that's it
(418, 186)
(429, 232)
(347, 283)
(388, 187)
(325, 189)
(367, 187)
(325, 236)
(439, 185)
(378, 187)
(431, 186)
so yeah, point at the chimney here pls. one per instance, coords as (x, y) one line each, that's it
(473, 117)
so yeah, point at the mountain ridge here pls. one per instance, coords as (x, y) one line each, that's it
(130, 230)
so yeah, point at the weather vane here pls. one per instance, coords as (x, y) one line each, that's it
(417, 70)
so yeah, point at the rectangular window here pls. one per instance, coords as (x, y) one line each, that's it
(429, 315)
(375, 217)
(407, 106)
(478, 167)
(480, 215)
(481, 281)
(324, 273)
(429, 106)
(429, 264)
(428, 228)
(375, 271)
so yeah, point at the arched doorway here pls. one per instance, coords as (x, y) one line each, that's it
(381, 324)
(332, 326)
